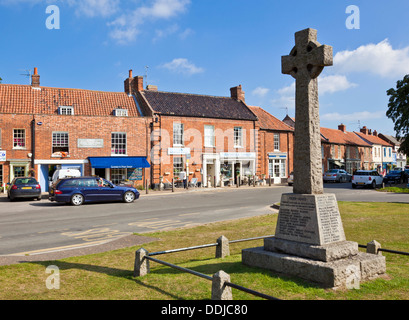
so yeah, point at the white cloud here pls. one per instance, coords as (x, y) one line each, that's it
(95, 8)
(362, 115)
(128, 25)
(183, 66)
(260, 91)
(326, 84)
(380, 59)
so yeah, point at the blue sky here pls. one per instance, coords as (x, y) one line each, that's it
(208, 46)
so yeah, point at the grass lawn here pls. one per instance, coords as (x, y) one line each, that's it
(110, 275)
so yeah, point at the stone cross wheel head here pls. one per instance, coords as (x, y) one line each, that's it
(308, 57)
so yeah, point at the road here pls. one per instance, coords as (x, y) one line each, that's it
(31, 227)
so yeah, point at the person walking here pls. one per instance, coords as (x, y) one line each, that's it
(183, 176)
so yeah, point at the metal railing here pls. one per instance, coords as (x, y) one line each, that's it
(149, 256)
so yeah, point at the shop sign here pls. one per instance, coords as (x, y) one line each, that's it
(2, 155)
(178, 151)
(90, 143)
(238, 155)
(277, 156)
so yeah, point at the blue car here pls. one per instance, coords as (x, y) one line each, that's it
(90, 189)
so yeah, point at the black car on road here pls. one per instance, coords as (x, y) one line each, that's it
(24, 187)
(396, 176)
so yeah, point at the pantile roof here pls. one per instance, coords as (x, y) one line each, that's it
(44, 100)
(269, 122)
(193, 105)
(337, 136)
(371, 139)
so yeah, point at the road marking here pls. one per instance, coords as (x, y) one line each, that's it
(156, 224)
(97, 234)
(189, 214)
(56, 249)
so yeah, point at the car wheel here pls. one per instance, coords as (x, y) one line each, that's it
(77, 199)
(39, 198)
(129, 197)
(374, 185)
(353, 186)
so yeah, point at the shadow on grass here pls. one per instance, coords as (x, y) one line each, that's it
(235, 269)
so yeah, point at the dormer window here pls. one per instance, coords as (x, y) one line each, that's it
(65, 110)
(121, 112)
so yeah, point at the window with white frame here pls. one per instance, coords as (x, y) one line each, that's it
(118, 143)
(19, 138)
(121, 112)
(209, 138)
(66, 110)
(238, 137)
(178, 134)
(177, 166)
(60, 142)
(276, 142)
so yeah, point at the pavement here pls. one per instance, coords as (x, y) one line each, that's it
(124, 242)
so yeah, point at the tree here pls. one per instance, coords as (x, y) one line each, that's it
(1, 79)
(398, 111)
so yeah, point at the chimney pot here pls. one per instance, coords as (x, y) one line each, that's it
(130, 74)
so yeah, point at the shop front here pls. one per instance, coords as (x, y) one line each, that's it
(277, 167)
(119, 170)
(237, 166)
(46, 169)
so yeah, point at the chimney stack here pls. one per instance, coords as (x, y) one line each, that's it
(237, 93)
(375, 133)
(35, 79)
(128, 84)
(364, 130)
(342, 127)
(132, 85)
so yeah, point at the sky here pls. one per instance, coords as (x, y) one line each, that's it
(208, 46)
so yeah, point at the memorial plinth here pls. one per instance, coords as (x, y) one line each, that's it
(309, 243)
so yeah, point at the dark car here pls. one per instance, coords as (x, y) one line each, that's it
(90, 189)
(396, 176)
(24, 187)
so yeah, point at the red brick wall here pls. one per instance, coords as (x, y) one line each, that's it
(78, 127)
(194, 139)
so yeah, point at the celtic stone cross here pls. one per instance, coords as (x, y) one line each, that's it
(305, 63)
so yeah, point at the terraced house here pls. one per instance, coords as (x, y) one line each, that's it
(43, 128)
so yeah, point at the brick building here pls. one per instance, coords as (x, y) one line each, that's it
(213, 139)
(276, 146)
(44, 128)
(342, 149)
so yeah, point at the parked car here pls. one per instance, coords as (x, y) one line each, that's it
(24, 187)
(396, 176)
(79, 190)
(366, 178)
(337, 175)
(290, 179)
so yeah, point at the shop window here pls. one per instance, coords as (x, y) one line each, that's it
(178, 134)
(177, 166)
(209, 138)
(118, 175)
(238, 137)
(60, 144)
(19, 171)
(118, 143)
(276, 142)
(19, 138)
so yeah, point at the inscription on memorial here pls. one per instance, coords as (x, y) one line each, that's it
(329, 219)
(309, 219)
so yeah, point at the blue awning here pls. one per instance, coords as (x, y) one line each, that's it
(118, 162)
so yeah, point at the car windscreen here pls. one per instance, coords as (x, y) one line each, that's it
(333, 171)
(25, 181)
(362, 173)
(395, 173)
